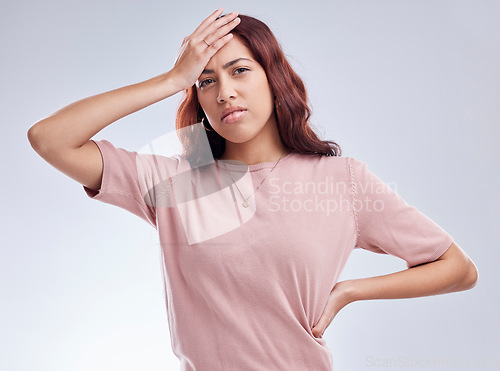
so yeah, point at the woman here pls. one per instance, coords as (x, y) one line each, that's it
(258, 217)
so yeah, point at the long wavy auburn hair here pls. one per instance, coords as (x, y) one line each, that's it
(292, 110)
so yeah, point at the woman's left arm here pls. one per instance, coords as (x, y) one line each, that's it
(451, 272)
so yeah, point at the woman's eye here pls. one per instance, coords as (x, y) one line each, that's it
(241, 68)
(203, 83)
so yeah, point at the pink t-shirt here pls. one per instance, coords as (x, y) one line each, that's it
(245, 285)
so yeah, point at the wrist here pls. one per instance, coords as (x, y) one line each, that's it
(170, 79)
(167, 84)
(348, 291)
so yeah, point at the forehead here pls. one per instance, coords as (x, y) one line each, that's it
(233, 49)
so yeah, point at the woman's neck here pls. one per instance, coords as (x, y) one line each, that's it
(252, 157)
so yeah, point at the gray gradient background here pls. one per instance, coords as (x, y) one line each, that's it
(410, 87)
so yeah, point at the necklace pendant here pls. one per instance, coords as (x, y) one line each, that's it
(245, 204)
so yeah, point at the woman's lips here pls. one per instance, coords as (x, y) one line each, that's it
(233, 117)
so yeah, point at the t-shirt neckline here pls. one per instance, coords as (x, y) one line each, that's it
(240, 166)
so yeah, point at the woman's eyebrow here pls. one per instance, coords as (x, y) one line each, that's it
(228, 64)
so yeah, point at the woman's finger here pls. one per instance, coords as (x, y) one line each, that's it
(211, 18)
(322, 325)
(222, 31)
(214, 26)
(336, 301)
(214, 47)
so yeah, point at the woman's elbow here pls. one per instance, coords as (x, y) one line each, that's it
(461, 267)
(471, 276)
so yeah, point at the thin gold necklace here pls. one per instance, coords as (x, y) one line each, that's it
(245, 202)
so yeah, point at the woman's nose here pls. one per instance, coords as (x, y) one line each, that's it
(226, 91)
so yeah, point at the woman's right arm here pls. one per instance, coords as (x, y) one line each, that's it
(63, 139)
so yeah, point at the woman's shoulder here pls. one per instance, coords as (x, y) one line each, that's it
(321, 163)
(328, 160)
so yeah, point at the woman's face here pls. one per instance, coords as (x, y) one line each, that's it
(229, 81)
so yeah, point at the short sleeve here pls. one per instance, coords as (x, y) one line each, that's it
(387, 224)
(123, 182)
